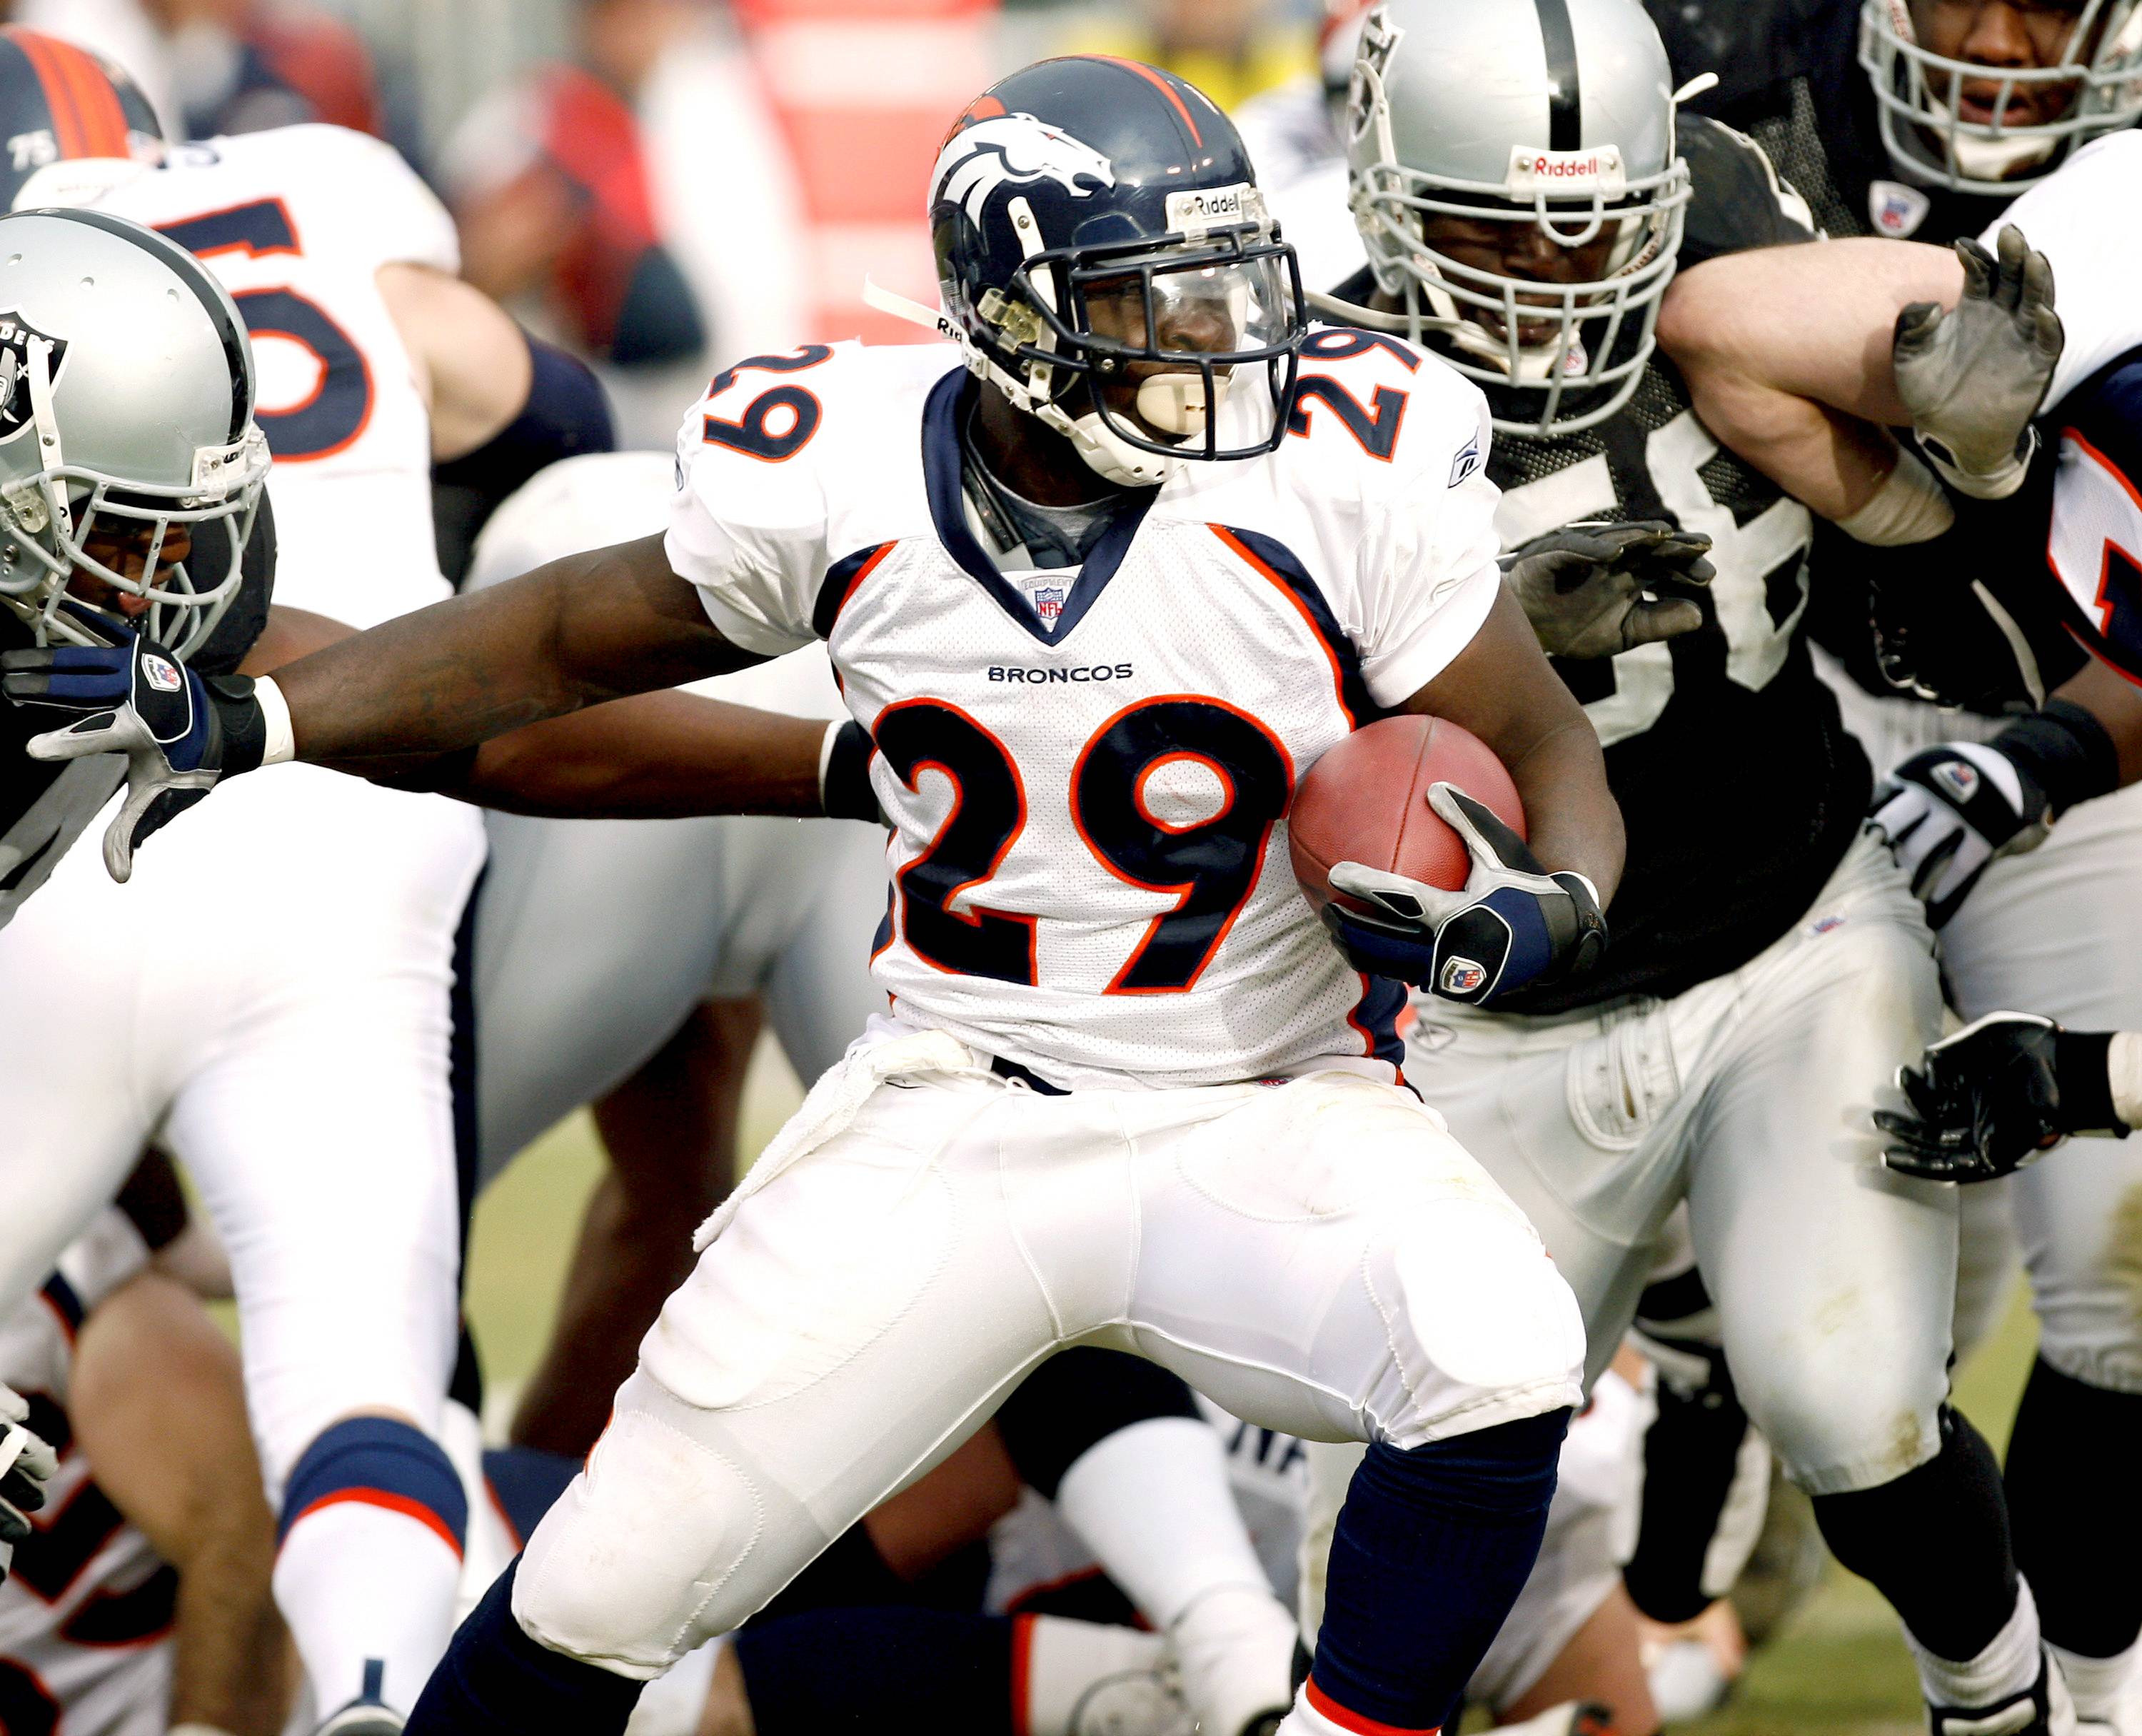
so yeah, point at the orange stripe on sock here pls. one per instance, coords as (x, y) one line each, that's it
(1327, 1707)
(385, 1498)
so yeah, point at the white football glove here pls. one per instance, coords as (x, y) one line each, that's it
(1948, 813)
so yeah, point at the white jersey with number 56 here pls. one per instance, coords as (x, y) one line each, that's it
(1089, 860)
(297, 222)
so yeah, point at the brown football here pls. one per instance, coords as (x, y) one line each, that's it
(1366, 801)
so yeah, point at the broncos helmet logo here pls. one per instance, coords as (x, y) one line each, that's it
(1008, 149)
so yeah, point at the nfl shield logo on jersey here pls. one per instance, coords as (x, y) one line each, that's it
(1461, 976)
(1049, 602)
(15, 335)
(161, 675)
(1895, 209)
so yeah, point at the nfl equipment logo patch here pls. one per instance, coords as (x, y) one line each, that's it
(160, 675)
(1895, 209)
(1461, 976)
(15, 335)
(1049, 603)
(1959, 778)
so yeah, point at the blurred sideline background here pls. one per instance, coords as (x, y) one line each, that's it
(665, 186)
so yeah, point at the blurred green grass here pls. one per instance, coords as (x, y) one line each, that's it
(1837, 1670)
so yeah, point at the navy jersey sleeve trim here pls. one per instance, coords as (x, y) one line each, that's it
(843, 578)
(1278, 563)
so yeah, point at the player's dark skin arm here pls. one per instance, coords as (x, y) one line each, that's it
(652, 756)
(1503, 689)
(589, 628)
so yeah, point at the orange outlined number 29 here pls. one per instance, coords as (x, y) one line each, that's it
(779, 422)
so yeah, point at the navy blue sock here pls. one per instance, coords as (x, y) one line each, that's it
(1430, 1552)
(496, 1681)
(879, 1669)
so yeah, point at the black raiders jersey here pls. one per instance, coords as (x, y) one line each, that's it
(1740, 788)
(44, 808)
(1789, 77)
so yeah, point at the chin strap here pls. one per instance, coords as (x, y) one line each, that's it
(1110, 458)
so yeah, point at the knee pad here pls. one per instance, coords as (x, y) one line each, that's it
(1835, 1431)
(671, 1535)
(1482, 1326)
(382, 1462)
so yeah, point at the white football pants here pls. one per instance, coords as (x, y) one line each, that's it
(2056, 931)
(1319, 1257)
(270, 997)
(594, 938)
(1748, 1096)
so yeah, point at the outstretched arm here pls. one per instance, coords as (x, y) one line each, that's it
(1786, 355)
(580, 631)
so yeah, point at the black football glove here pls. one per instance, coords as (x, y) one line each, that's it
(1996, 1096)
(180, 732)
(1583, 587)
(1513, 923)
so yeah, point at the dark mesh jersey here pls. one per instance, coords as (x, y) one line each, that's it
(44, 808)
(1789, 77)
(1740, 788)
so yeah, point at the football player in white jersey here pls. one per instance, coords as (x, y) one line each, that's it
(140, 1602)
(303, 1059)
(2052, 929)
(1059, 1132)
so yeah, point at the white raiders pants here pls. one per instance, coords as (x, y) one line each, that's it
(1748, 1096)
(1319, 1257)
(2056, 931)
(594, 938)
(270, 998)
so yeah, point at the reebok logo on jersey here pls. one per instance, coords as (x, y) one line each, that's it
(1083, 673)
(161, 675)
(1461, 976)
(1466, 463)
(1958, 778)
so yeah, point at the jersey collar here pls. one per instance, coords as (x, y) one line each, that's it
(941, 477)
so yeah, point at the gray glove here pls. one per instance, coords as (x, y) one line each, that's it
(1973, 378)
(1583, 587)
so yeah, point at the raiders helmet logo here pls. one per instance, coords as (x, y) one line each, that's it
(15, 335)
(1008, 149)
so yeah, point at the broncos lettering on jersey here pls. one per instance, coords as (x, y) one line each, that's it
(1089, 860)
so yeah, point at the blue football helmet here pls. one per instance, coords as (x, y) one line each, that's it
(1105, 260)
